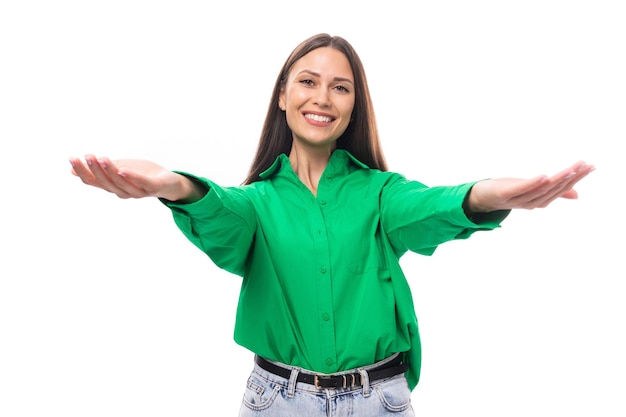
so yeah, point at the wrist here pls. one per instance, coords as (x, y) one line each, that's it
(183, 189)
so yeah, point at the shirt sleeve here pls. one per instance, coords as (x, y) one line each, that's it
(221, 224)
(418, 218)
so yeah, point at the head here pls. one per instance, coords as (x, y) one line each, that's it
(360, 136)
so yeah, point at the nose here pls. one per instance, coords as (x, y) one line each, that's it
(322, 98)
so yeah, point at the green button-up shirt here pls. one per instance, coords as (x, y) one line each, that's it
(322, 286)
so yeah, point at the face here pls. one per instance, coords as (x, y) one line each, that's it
(318, 97)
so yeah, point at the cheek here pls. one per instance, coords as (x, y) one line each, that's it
(347, 110)
(293, 96)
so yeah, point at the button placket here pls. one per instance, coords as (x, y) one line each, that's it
(324, 298)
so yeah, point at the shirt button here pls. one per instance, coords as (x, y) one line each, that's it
(323, 270)
(323, 202)
(329, 361)
(325, 316)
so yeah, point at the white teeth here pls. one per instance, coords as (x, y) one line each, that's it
(318, 118)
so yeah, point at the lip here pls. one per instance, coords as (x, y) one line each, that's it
(316, 119)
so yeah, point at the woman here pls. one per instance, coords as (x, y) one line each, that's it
(316, 231)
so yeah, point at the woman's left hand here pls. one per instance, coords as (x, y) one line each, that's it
(513, 193)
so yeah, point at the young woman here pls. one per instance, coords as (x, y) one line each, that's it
(316, 232)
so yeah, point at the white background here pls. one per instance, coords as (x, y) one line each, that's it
(106, 309)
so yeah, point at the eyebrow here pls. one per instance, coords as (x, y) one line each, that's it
(348, 80)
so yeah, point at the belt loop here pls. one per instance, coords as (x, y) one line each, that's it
(293, 380)
(365, 381)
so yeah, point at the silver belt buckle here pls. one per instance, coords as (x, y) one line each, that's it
(344, 383)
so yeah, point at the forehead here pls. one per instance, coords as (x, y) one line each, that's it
(324, 61)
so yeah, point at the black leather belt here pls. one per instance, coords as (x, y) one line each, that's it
(334, 381)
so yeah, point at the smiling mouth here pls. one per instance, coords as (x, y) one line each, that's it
(318, 118)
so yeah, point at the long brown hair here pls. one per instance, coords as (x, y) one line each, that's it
(361, 135)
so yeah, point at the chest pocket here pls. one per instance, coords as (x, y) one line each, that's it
(368, 257)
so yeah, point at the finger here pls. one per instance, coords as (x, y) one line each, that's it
(99, 173)
(569, 172)
(73, 163)
(102, 177)
(80, 170)
(125, 188)
(571, 193)
(561, 186)
(556, 191)
(133, 183)
(541, 190)
(544, 182)
(557, 181)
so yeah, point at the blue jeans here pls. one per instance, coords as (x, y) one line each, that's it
(271, 395)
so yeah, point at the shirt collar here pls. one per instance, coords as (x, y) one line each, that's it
(339, 163)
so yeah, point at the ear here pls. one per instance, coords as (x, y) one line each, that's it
(281, 99)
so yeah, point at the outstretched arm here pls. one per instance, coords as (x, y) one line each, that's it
(512, 193)
(136, 178)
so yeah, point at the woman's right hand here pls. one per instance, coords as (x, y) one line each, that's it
(135, 178)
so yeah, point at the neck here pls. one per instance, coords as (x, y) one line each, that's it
(309, 164)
